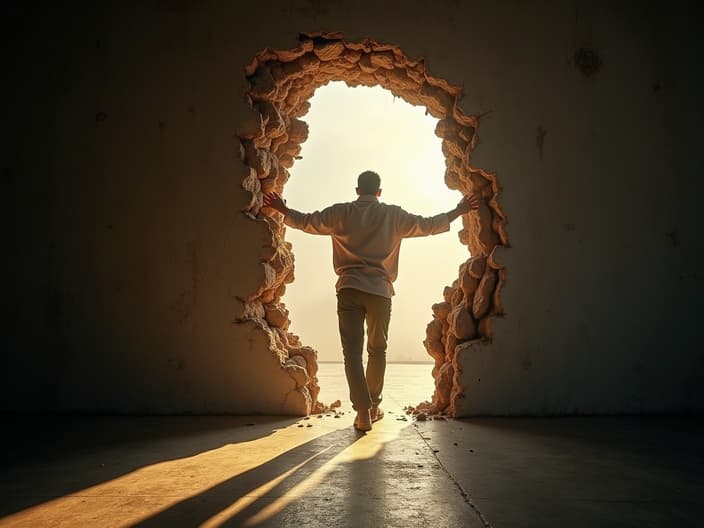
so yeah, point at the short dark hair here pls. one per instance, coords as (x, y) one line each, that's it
(368, 182)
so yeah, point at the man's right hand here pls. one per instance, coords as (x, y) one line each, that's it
(468, 203)
(274, 200)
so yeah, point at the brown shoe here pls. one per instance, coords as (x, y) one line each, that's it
(363, 421)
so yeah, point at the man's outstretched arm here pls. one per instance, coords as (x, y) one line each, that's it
(411, 225)
(317, 223)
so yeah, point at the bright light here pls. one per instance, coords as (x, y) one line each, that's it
(242, 483)
(352, 130)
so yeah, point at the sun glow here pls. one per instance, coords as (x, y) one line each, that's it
(352, 130)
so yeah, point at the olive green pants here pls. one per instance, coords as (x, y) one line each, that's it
(354, 307)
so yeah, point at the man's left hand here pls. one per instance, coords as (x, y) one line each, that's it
(468, 203)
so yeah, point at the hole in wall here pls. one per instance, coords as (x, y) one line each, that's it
(282, 82)
(351, 130)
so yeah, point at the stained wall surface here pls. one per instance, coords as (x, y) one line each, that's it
(130, 260)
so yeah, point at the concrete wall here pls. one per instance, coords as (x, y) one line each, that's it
(128, 255)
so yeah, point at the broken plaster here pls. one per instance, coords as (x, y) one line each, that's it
(281, 83)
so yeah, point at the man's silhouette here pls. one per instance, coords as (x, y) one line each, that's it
(366, 238)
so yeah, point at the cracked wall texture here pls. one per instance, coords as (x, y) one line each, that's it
(137, 282)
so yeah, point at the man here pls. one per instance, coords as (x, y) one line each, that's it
(366, 237)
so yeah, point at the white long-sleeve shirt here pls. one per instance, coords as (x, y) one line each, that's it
(366, 239)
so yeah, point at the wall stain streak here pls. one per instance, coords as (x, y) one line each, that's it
(540, 140)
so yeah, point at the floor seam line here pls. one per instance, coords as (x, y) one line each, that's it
(463, 492)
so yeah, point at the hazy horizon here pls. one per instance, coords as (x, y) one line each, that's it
(409, 362)
(352, 130)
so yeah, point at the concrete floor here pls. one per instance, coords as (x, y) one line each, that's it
(319, 472)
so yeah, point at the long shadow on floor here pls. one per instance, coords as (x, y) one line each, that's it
(245, 495)
(388, 479)
(56, 455)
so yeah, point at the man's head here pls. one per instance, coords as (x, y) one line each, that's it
(369, 183)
